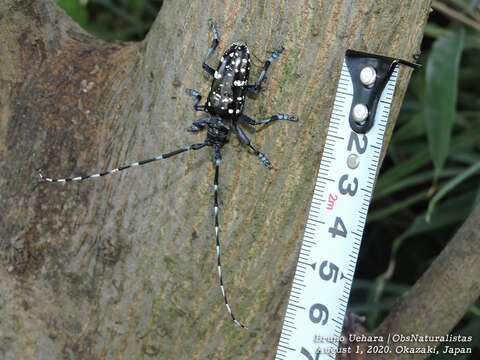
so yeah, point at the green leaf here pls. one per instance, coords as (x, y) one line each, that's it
(441, 95)
(397, 206)
(415, 179)
(416, 161)
(419, 159)
(414, 127)
(75, 10)
(475, 310)
(119, 11)
(450, 185)
(450, 212)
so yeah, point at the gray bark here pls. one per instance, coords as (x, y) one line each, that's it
(125, 266)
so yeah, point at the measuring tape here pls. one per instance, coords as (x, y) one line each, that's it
(323, 278)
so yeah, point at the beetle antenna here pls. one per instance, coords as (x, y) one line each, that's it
(218, 158)
(113, 171)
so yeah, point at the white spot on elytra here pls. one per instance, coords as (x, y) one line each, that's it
(230, 111)
(217, 75)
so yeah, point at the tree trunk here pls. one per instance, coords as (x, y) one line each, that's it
(124, 267)
(427, 308)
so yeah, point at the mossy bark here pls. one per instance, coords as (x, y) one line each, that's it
(125, 266)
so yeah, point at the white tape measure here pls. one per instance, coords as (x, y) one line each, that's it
(328, 255)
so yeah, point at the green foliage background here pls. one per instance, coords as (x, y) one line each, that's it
(430, 179)
(127, 20)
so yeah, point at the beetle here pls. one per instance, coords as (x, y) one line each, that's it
(224, 106)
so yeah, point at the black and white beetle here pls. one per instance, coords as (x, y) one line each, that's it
(225, 108)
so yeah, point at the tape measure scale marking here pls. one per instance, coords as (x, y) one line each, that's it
(331, 243)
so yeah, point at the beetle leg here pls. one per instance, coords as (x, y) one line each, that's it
(214, 45)
(250, 121)
(198, 97)
(245, 139)
(198, 124)
(256, 87)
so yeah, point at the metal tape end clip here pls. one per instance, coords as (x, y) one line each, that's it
(369, 74)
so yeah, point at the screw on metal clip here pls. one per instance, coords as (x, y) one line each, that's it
(370, 74)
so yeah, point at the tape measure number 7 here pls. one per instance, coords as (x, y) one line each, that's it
(323, 278)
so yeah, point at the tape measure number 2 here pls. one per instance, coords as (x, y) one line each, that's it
(323, 278)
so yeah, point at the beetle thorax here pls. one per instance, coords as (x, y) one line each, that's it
(217, 131)
(227, 94)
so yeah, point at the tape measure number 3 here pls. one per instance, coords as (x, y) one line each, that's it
(323, 278)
